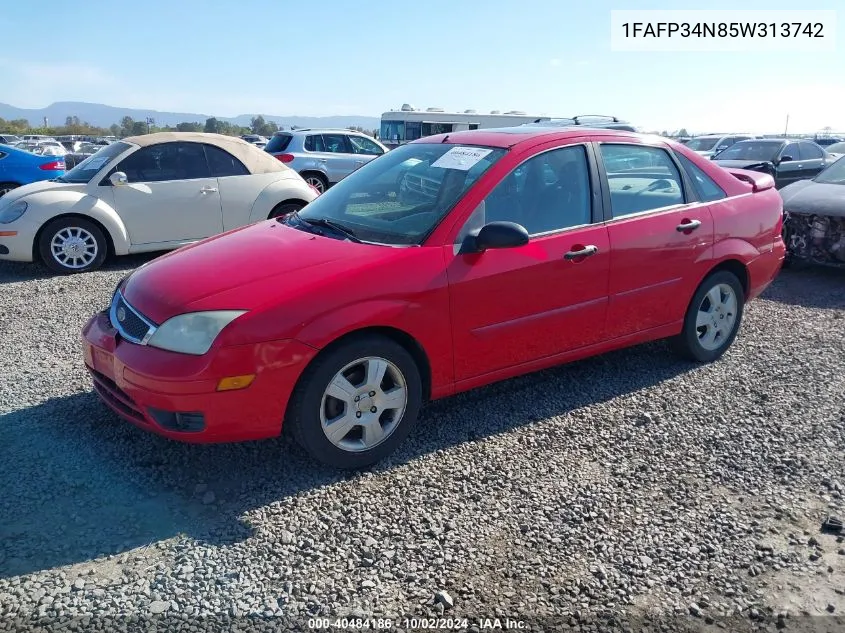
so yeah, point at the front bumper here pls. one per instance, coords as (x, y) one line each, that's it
(140, 383)
(16, 242)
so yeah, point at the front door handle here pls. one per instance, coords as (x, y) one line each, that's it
(584, 252)
(205, 190)
(688, 225)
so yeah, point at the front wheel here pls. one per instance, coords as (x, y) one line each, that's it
(356, 403)
(713, 318)
(72, 245)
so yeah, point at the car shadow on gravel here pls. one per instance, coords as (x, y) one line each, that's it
(15, 272)
(80, 483)
(809, 286)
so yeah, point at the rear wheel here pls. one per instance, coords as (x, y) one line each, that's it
(356, 403)
(281, 210)
(6, 187)
(316, 180)
(713, 318)
(72, 245)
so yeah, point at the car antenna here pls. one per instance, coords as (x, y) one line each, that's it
(445, 138)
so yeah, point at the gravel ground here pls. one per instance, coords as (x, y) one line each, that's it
(632, 484)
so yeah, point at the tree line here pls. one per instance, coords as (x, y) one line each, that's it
(130, 127)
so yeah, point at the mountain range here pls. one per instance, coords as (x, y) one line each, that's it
(102, 115)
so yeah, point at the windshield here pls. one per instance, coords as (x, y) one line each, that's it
(401, 196)
(751, 150)
(702, 144)
(834, 174)
(89, 167)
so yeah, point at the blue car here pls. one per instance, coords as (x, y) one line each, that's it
(19, 167)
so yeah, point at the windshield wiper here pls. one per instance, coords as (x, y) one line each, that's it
(337, 228)
(59, 179)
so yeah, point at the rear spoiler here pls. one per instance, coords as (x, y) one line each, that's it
(758, 180)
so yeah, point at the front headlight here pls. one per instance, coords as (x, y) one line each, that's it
(192, 333)
(13, 212)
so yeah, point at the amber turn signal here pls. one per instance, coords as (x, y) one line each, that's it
(235, 382)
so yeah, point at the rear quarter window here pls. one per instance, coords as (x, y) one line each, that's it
(704, 185)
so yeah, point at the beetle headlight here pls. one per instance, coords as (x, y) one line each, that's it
(192, 333)
(13, 212)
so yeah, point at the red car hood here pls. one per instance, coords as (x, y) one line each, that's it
(243, 269)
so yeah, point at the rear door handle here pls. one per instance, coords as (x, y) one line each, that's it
(688, 225)
(208, 190)
(584, 252)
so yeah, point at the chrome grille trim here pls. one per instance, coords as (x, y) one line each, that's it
(117, 299)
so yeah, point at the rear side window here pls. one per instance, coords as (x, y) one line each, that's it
(222, 163)
(810, 151)
(640, 179)
(314, 143)
(278, 143)
(336, 143)
(704, 185)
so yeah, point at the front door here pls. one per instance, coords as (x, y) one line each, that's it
(788, 171)
(659, 237)
(171, 195)
(512, 306)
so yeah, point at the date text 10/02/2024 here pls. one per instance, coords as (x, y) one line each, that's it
(417, 624)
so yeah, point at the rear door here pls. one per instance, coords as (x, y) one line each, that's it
(341, 160)
(812, 160)
(660, 237)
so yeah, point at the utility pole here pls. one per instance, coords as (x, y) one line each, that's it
(786, 128)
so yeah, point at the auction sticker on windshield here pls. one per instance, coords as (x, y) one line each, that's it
(462, 158)
(96, 163)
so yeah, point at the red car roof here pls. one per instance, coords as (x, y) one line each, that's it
(510, 136)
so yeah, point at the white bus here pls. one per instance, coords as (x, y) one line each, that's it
(408, 124)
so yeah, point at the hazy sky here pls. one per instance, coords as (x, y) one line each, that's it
(366, 56)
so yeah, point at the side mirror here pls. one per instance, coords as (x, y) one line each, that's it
(786, 158)
(118, 179)
(496, 235)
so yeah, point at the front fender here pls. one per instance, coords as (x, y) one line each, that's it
(292, 187)
(48, 206)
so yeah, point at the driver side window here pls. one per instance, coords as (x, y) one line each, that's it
(547, 193)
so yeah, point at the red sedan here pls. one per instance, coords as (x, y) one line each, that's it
(448, 263)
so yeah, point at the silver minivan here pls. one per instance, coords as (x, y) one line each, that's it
(324, 157)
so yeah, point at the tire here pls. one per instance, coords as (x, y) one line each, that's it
(316, 180)
(284, 209)
(5, 187)
(694, 341)
(312, 408)
(87, 238)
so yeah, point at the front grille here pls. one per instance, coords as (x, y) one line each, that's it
(126, 320)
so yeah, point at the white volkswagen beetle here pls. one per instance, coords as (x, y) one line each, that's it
(146, 193)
